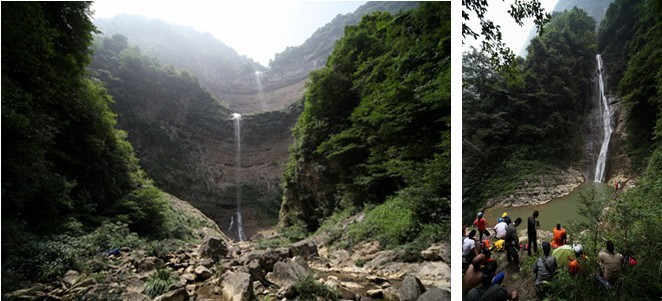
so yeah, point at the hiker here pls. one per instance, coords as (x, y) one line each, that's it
(472, 277)
(500, 229)
(489, 291)
(481, 225)
(512, 243)
(531, 232)
(610, 263)
(544, 270)
(560, 236)
(573, 267)
(468, 249)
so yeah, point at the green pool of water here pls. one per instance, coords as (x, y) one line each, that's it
(560, 210)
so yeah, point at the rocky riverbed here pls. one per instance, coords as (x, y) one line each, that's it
(219, 269)
(540, 190)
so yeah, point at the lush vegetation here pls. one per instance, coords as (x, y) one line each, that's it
(520, 119)
(549, 84)
(72, 186)
(158, 282)
(629, 39)
(375, 130)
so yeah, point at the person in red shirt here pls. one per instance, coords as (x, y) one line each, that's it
(481, 225)
(560, 237)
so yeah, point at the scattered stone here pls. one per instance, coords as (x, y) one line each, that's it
(214, 248)
(258, 287)
(351, 285)
(391, 294)
(70, 277)
(287, 292)
(305, 248)
(202, 272)
(288, 272)
(237, 287)
(134, 296)
(207, 262)
(435, 294)
(411, 288)
(188, 277)
(176, 295)
(375, 293)
(376, 279)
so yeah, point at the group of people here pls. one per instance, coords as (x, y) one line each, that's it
(481, 280)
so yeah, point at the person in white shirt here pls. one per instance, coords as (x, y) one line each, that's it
(500, 230)
(468, 243)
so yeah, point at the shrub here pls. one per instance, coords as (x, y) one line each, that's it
(309, 289)
(158, 283)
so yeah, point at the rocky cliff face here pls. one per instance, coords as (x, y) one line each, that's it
(184, 136)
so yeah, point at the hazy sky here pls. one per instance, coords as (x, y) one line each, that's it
(513, 35)
(257, 29)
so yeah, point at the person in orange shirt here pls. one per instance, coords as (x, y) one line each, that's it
(481, 225)
(573, 268)
(560, 236)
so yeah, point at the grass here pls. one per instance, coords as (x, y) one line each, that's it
(158, 283)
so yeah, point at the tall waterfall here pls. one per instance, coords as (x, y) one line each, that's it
(257, 77)
(238, 221)
(606, 124)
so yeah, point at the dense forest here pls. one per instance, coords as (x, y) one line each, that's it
(71, 179)
(375, 131)
(528, 118)
(521, 118)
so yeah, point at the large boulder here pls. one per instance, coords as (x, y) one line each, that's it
(214, 248)
(435, 294)
(305, 248)
(176, 295)
(436, 252)
(288, 272)
(237, 287)
(411, 288)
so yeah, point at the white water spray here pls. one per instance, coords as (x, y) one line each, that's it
(257, 78)
(237, 134)
(606, 125)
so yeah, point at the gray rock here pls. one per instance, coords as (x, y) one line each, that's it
(435, 294)
(213, 247)
(188, 277)
(202, 272)
(237, 287)
(375, 293)
(392, 294)
(411, 288)
(134, 296)
(207, 262)
(288, 272)
(70, 277)
(305, 248)
(149, 263)
(176, 295)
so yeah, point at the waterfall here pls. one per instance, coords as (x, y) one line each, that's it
(257, 77)
(606, 124)
(237, 134)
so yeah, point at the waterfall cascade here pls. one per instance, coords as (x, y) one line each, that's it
(238, 221)
(606, 124)
(257, 78)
